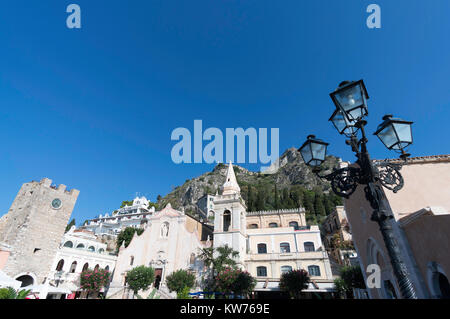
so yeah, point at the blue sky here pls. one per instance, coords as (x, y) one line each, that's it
(94, 108)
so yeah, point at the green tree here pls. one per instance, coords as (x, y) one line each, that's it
(184, 293)
(308, 202)
(140, 278)
(180, 279)
(11, 293)
(319, 208)
(126, 203)
(250, 199)
(260, 199)
(294, 282)
(353, 278)
(126, 235)
(69, 225)
(218, 258)
(276, 198)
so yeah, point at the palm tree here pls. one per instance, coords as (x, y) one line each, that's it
(225, 256)
(216, 259)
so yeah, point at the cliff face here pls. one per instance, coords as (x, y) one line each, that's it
(292, 171)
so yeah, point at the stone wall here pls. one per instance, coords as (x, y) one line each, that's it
(33, 228)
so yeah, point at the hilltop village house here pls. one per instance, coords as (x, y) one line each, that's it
(421, 221)
(128, 216)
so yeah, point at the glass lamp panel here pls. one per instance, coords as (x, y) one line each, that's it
(404, 132)
(319, 151)
(350, 97)
(315, 163)
(387, 136)
(339, 122)
(343, 125)
(356, 113)
(306, 153)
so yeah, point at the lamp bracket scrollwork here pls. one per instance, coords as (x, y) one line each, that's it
(388, 174)
(343, 181)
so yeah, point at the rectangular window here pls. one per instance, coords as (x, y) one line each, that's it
(261, 271)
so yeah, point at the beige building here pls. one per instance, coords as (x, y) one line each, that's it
(338, 238)
(270, 242)
(422, 226)
(31, 231)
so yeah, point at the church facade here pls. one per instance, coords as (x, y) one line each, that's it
(171, 241)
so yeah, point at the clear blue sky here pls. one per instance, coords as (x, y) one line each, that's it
(94, 108)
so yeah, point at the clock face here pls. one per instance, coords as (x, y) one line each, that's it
(56, 203)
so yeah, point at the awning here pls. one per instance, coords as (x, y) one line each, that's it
(6, 281)
(50, 289)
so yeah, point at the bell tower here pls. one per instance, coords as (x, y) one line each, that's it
(229, 217)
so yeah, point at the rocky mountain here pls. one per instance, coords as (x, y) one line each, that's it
(292, 172)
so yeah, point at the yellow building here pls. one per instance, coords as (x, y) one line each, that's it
(270, 242)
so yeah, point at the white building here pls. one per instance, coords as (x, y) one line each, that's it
(79, 250)
(129, 216)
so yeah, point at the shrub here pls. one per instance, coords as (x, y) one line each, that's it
(94, 280)
(235, 281)
(140, 278)
(179, 280)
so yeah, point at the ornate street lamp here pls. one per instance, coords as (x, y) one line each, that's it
(395, 134)
(342, 124)
(350, 99)
(313, 151)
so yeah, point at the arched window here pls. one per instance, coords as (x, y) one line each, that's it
(294, 224)
(261, 271)
(91, 248)
(262, 249)
(60, 265)
(73, 267)
(101, 250)
(131, 260)
(314, 270)
(68, 244)
(253, 226)
(273, 225)
(285, 248)
(26, 280)
(285, 269)
(107, 268)
(80, 246)
(85, 267)
(226, 220)
(97, 267)
(309, 246)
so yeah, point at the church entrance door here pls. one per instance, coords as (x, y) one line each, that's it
(158, 274)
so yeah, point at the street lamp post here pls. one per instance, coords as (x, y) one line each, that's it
(350, 99)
